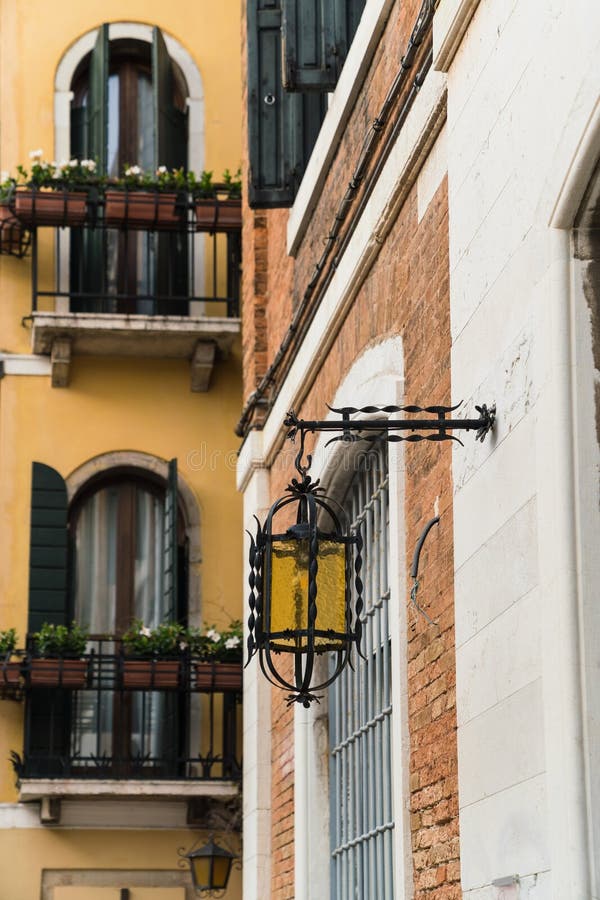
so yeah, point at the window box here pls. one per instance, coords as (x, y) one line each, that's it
(58, 208)
(218, 676)
(151, 674)
(144, 209)
(213, 214)
(10, 675)
(59, 672)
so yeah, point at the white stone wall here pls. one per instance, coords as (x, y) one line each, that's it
(522, 89)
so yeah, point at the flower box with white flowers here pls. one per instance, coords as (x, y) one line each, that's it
(217, 658)
(53, 193)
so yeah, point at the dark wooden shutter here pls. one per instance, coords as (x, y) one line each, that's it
(268, 108)
(171, 555)
(98, 101)
(170, 149)
(347, 17)
(309, 47)
(316, 37)
(48, 549)
(170, 128)
(282, 126)
(88, 246)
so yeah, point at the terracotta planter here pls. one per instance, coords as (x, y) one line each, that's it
(58, 208)
(10, 674)
(218, 215)
(13, 239)
(59, 672)
(151, 674)
(148, 210)
(219, 676)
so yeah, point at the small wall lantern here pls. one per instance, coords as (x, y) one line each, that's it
(301, 575)
(210, 866)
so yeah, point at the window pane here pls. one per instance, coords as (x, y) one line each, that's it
(145, 117)
(113, 126)
(149, 604)
(96, 561)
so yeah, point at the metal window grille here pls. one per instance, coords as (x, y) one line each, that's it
(360, 713)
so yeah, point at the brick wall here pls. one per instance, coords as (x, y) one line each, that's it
(406, 293)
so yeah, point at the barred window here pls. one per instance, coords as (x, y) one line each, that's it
(360, 712)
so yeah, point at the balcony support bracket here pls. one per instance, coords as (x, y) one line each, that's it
(60, 360)
(201, 366)
(50, 810)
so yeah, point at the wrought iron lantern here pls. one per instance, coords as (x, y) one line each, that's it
(210, 866)
(302, 601)
(301, 597)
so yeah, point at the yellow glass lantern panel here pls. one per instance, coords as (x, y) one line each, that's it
(289, 593)
(221, 867)
(201, 866)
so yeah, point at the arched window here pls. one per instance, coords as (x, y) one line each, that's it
(117, 528)
(129, 108)
(118, 552)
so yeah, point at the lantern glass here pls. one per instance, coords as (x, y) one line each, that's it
(289, 593)
(221, 867)
(201, 866)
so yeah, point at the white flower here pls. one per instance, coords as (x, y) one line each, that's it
(145, 631)
(4, 176)
(133, 170)
(36, 154)
(73, 163)
(162, 170)
(57, 173)
(213, 635)
(232, 642)
(89, 164)
(182, 645)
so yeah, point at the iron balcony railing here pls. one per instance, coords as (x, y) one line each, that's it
(132, 252)
(111, 716)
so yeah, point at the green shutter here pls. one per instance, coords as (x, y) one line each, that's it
(48, 549)
(347, 17)
(98, 101)
(170, 123)
(310, 55)
(170, 557)
(282, 126)
(170, 149)
(316, 36)
(268, 108)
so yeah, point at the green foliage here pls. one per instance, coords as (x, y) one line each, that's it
(81, 174)
(164, 640)
(171, 639)
(8, 641)
(58, 640)
(233, 183)
(212, 645)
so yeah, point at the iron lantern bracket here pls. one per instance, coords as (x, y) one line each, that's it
(435, 427)
(371, 429)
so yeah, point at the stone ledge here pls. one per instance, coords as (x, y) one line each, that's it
(78, 788)
(198, 339)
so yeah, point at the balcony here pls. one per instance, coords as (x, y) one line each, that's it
(109, 726)
(134, 274)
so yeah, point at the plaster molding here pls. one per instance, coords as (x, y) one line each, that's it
(450, 23)
(24, 364)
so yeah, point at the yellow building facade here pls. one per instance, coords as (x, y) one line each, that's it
(108, 374)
